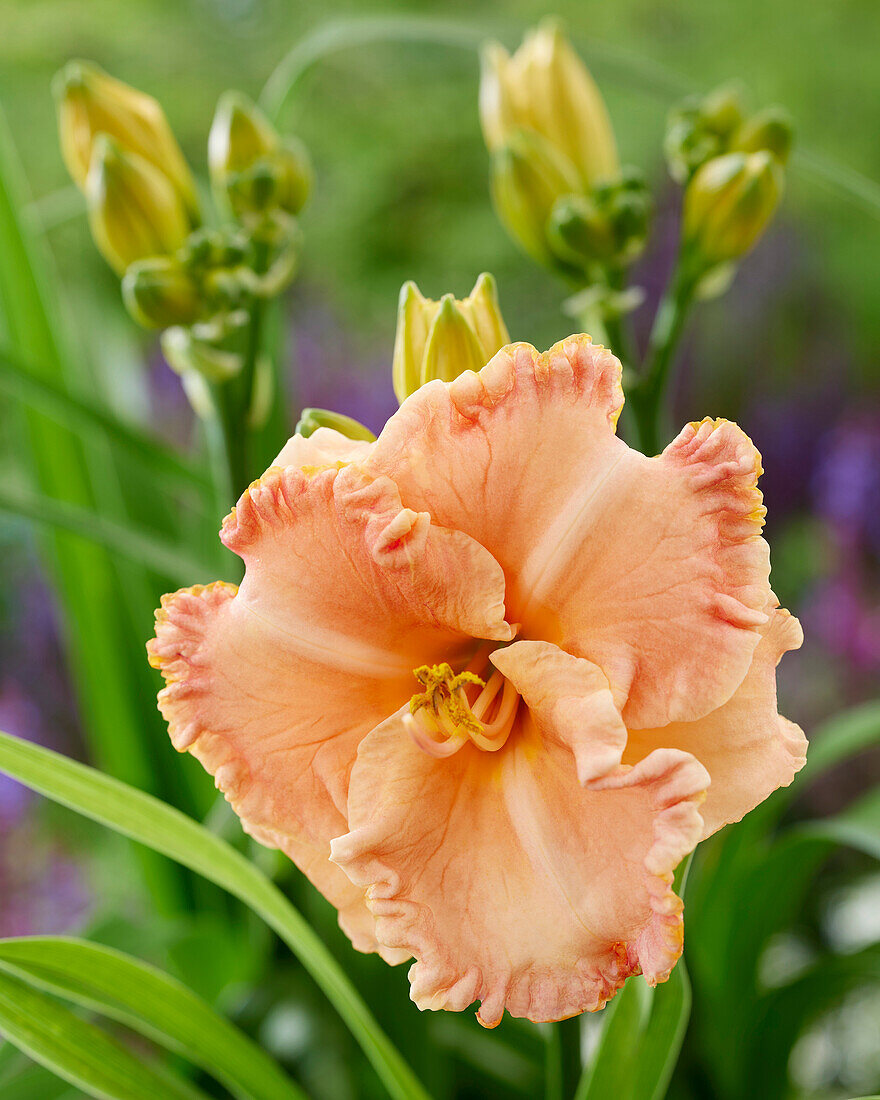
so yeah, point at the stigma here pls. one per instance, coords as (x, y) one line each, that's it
(457, 708)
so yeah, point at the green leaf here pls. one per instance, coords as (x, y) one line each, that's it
(167, 830)
(79, 1051)
(613, 1068)
(841, 737)
(39, 390)
(152, 1003)
(110, 678)
(139, 546)
(780, 1017)
(662, 1038)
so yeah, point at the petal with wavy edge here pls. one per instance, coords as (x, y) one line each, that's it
(654, 569)
(272, 685)
(324, 447)
(748, 749)
(511, 883)
(569, 696)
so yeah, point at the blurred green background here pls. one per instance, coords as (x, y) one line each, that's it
(790, 352)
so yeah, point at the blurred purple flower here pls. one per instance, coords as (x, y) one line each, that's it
(847, 482)
(840, 614)
(18, 716)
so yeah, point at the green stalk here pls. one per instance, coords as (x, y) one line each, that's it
(563, 1064)
(647, 400)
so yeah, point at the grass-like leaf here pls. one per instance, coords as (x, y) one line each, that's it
(79, 1051)
(152, 1003)
(166, 830)
(138, 546)
(37, 389)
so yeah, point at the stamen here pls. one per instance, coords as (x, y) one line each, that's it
(442, 718)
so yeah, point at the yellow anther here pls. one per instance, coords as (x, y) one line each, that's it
(444, 698)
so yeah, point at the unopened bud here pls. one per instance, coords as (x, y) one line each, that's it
(441, 339)
(252, 169)
(159, 292)
(546, 88)
(700, 129)
(728, 205)
(579, 233)
(528, 177)
(770, 129)
(90, 102)
(312, 419)
(134, 209)
(607, 226)
(453, 346)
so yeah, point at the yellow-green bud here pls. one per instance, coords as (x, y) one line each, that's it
(728, 204)
(252, 170)
(160, 292)
(546, 88)
(90, 102)
(528, 177)
(240, 134)
(453, 346)
(441, 339)
(312, 419)
(701, 128)
(769, 129)
(134, 209)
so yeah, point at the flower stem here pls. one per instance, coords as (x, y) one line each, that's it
(647, 400)
(563, 1064)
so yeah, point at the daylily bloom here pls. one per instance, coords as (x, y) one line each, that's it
(481, 672)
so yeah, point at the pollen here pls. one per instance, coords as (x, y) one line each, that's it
(442, 718)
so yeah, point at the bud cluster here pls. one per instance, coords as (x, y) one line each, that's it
(555, 175)
(732, 165)
(705, 127)
(143, 210)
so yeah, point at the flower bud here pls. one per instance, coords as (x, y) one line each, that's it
(453, 347)
(700, 129)
(579, 233)
(528, 177)
(769, 129)
(312, 419)
(90, 102)
(546, 88)
(441, 339)
(728, 204)
(134, 209)
(608, 226)
(159, 292)
(252, 170)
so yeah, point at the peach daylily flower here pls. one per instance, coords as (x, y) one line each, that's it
(480, 674)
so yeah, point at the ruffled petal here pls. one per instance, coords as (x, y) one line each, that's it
(500, 454)
(570, 700)
(273, 685)
(748, 749)
(324, 447)
(652, 568)
(511, 883)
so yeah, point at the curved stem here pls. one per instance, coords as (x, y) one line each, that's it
(647, 399)
(345, 33)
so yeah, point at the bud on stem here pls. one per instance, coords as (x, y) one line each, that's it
(134, 210)
(442, 339)
(90, 102)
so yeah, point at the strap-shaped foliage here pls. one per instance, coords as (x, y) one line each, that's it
(166, 830)
(150, 1002)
